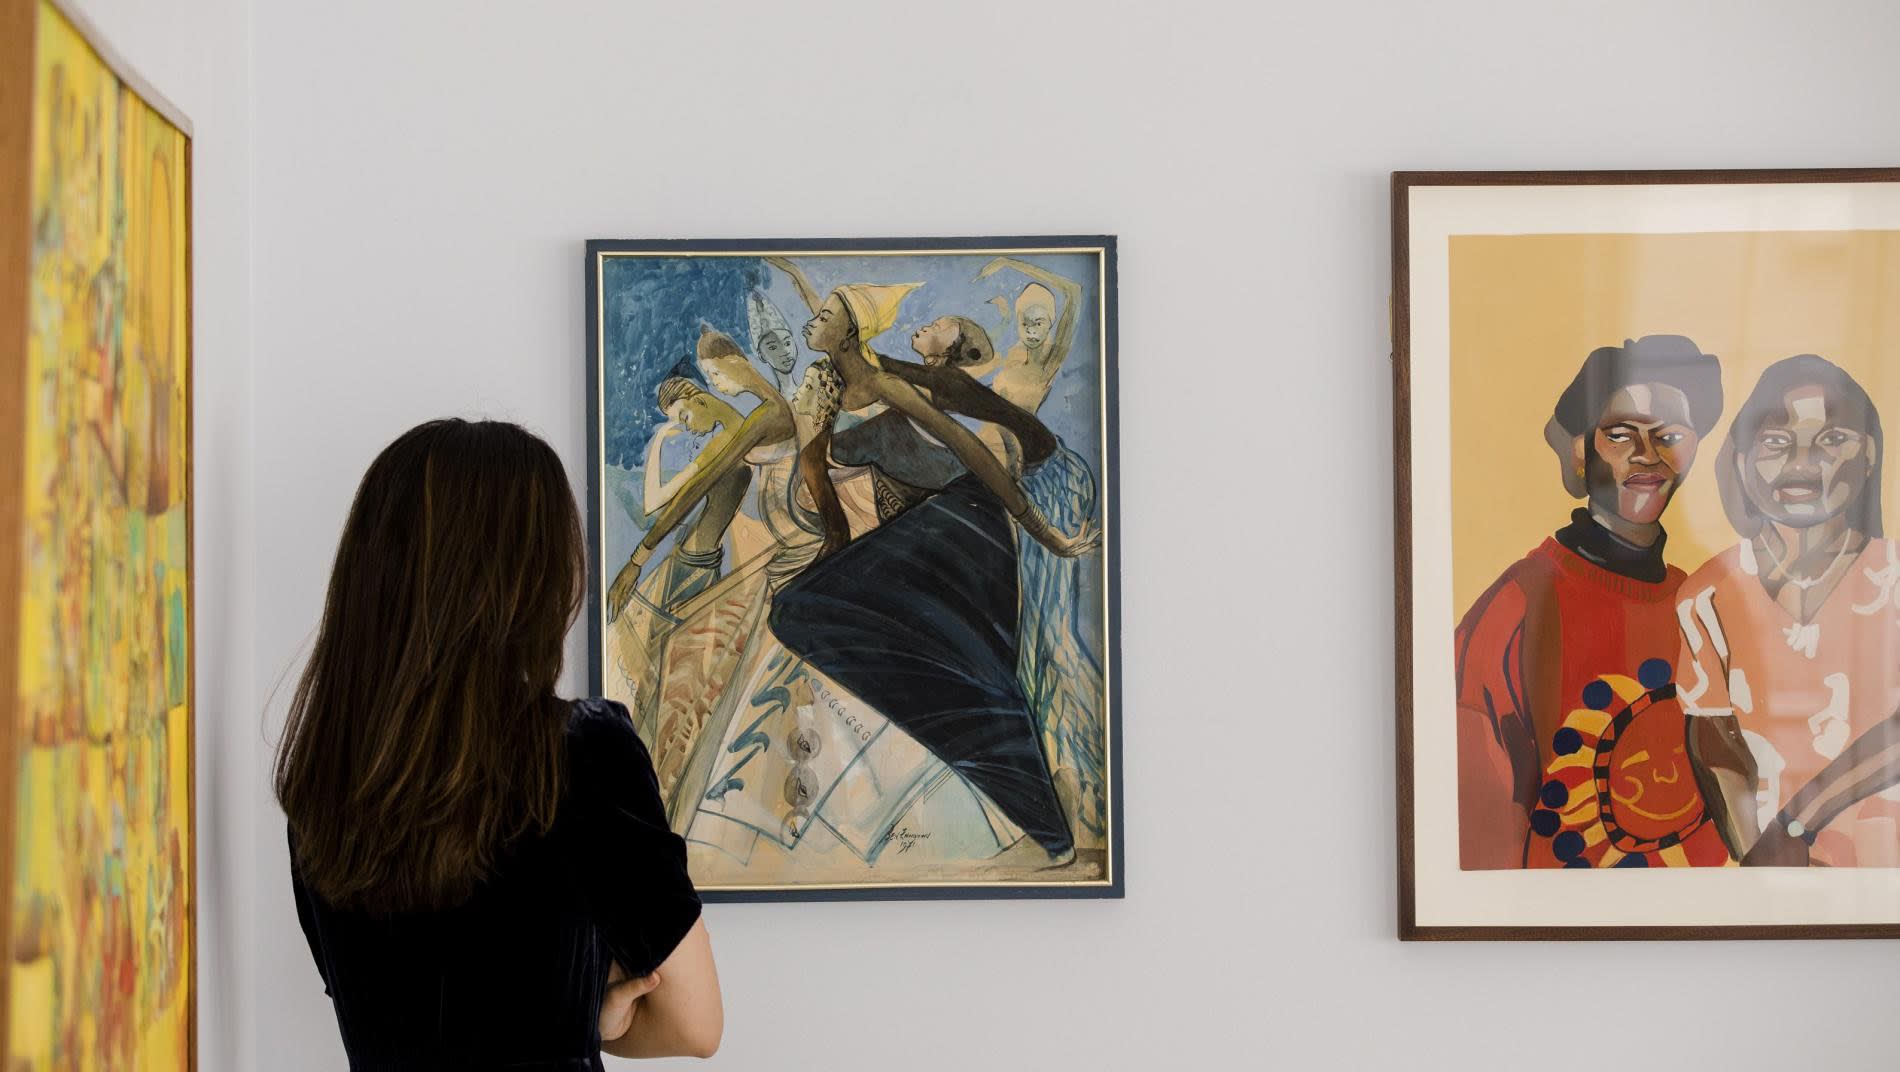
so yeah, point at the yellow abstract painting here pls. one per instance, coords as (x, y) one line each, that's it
(100, 921)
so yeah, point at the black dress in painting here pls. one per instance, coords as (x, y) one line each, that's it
(918, 618)
(513, 978)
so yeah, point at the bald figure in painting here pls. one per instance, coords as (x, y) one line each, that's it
(1045, 331)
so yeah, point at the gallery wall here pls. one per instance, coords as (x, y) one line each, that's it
(424, 178)
(197, 54)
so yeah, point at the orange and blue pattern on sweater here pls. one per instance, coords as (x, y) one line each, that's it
(1619, 790)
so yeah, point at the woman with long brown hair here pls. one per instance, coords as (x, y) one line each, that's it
(483, 870)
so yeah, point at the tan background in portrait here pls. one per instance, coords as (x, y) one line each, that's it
(1527, 309)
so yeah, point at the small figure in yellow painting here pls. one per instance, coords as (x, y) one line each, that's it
(1792, 637)
(1570, 737)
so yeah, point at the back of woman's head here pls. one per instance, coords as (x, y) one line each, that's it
(425, 733)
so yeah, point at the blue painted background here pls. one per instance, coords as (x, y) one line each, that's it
(652, 307)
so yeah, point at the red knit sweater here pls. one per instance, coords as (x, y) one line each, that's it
(1571, 746)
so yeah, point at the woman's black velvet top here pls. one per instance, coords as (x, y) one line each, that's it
(513, 977)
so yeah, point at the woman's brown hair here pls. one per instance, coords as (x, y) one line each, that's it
(425, 734)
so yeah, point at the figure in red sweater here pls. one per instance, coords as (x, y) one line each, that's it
(1570, 738)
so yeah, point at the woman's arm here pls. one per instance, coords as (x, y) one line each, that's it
(623, 996)
(1870, 764)
(977, 458)
(1718, 752)
(769, 423)
(810, 296)
(633, 879)
(683, 1015)
(959, 392)
(1497, 748)
(1725, 772)
(657, 494)
(969, 449)
(1070, 290)
(815, 474)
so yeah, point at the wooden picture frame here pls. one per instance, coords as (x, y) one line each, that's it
(109, 110)
(876, 260)
(1508, 280)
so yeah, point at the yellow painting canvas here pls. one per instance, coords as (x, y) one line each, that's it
(99, 920)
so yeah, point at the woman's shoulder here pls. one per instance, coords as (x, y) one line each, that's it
(596, 726)
(606, 757)
(610, 777)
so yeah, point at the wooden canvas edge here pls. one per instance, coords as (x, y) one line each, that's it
(1114, 886)
(1112, 540)
(1094, 891)
(125, 72)
(18, 37)
(594, 458)
(1659, 177)
(1409, 929)
(192, 899)
(886, 245)
(1672, 933)
(1399, 325)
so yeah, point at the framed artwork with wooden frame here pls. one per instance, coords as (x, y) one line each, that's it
(852, 512)
(1648, 616)
(97, 834)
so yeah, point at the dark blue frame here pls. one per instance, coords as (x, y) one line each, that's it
(1111, 524)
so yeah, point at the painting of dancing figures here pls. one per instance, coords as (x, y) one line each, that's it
(852, 514)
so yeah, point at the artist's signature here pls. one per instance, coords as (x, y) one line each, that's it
(904, 839)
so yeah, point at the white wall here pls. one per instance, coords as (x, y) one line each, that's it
(197, 53)
(426, 175)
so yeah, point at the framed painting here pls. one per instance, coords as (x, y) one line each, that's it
(96, 809)
(852, 514)
(1648, 625)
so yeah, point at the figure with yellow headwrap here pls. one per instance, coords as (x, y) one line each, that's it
(842, 326)
(918, 617)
